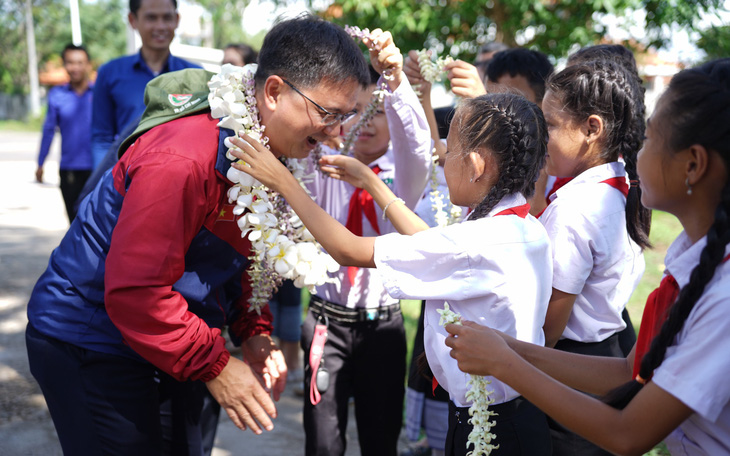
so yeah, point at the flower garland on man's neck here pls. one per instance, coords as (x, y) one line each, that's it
(480, 436)
(281, 247)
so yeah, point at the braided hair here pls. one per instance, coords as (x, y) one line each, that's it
(697, 112)
(606, 89)
(513, 130)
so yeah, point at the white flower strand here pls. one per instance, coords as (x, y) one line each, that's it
(376, 102)
(281, 247)
(480, 436)
(359, 34)
(432, 70)
(437, 198)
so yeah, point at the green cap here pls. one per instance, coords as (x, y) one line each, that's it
(170, 96)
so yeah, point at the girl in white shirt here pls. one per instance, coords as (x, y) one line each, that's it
(680, 392)
(596, 223)
(495, 267)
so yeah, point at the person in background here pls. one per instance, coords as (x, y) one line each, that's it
(69, 109)
(239, 54)
(486, 53)
(120, 84)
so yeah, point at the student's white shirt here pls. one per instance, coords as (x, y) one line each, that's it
(696, 367)
(593, 255)
(495, 271)
(405, 168)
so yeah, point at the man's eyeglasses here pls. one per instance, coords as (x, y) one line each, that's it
(328, 118)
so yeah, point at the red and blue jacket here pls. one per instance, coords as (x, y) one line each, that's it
(154, 264)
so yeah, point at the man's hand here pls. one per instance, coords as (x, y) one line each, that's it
(465, 81)
(241, 394)
(39, 175)
(265, 358)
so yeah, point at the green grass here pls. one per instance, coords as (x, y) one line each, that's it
(32, 124)
(664, 228)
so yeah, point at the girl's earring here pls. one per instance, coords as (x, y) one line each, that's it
(689, 187)
(471, 180)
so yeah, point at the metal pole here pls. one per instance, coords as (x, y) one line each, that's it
(35, 99)
(75, 22)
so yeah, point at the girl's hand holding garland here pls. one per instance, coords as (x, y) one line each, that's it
(260, 163)
(479, 350)
(348, 169)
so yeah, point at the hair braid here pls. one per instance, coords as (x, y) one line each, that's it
(710, 258)
(513, 130)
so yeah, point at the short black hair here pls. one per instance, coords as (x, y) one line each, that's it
(134, 5)
(308, 50)
(533, 65)
(73, 47)
(248, 54)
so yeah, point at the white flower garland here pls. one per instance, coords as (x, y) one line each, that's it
(480, 436)
(437, 198)
(281, 247)
(432, 70)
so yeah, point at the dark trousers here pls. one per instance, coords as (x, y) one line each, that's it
(111, 405)
(520, 429)
(72, 181)
(565, 441)
(367, 361)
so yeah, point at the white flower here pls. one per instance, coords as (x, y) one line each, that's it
(480, 439)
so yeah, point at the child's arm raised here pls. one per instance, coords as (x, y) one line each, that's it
(346, 248)
(412, 71)
(360, 175)
(385, 57)
(645, 421)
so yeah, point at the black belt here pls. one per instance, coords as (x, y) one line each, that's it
(343, 314)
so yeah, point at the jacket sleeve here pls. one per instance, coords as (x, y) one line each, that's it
(165, 204)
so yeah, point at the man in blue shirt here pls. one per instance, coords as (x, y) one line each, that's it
(69, 109)
(120, 84)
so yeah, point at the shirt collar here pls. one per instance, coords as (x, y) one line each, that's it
(682, 257)
(507, 202)
(592, 176)
(141, 64)
(385, 161)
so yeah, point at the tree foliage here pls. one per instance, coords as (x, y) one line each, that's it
(715, 42)
(459, 27)
(226, 18)
(102, 24)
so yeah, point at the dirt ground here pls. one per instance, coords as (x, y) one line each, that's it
(32, 223)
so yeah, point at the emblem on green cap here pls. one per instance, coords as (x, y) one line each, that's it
(179, 99)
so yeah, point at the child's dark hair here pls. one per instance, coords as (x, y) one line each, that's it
(247, 53)
(624, 57)
(513, 130)
(307, 51)
(532, 65)
(696, 111)
(606, 89)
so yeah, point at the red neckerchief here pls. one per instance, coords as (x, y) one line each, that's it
(361, 203)
(520, 211)
(619, 183)
(656, 312)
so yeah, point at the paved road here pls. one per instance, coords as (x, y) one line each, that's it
(32, 222)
